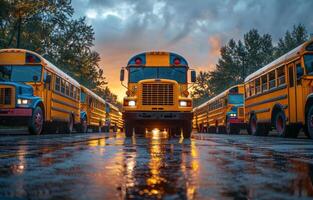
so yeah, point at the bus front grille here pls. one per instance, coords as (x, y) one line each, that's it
(157, 94)
(5, 97)
(240, 112)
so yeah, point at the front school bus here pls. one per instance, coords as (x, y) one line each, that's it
(157, 94)
(35, 93)
(280, 95)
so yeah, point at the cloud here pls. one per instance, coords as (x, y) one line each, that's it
(195, 29)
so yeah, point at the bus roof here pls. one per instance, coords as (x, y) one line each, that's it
(93, 94)
(171, 57)
(279, 60)
(49, 65)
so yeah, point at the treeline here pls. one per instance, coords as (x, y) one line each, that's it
(48, 28)
(240, 58)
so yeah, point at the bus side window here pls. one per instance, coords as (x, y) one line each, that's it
(57, 83)
(63, 86)
(291, 79)
(272, 79)
(264, 83)
(281, 76)
(299, 73)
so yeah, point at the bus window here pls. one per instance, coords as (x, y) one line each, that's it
(82, 97)
(264, 83)
(291, 79)
(247, 90)
(57, 83)
(71, 90)
(299, 72)
(257, 86)
(235, 99)
(67, 89)
(308, 63)
(272, 80)
(281, 76)
(63, 86)
(251, 88)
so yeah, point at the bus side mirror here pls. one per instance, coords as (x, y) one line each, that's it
(122, 75)
(193, 76)
(48, 78)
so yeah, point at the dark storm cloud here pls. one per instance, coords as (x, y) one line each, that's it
(194, 28)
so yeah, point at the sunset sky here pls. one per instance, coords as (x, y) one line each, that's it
(196, 29)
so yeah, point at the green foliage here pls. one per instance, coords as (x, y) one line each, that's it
(239, 59)
(48, 28)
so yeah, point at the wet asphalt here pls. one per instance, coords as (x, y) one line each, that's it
(110, 166)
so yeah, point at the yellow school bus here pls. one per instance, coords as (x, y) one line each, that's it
(157, 94)
(200, 117)
(36, 93)
(114, 118)
(223, 113)
(280, 95)
(92, 112)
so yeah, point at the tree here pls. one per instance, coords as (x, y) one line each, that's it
(291, 40)
(47, 28)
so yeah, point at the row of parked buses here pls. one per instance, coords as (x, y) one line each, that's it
(35, 93)
(277, 96)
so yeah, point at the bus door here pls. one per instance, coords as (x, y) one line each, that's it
(299, 92)
(47, 93)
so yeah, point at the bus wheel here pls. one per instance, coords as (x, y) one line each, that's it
(35, 126)
(187, 130)
(253, 126)
(83, 125)
(139, 131)
(128, 131)
(230, 128)
(175, 131)
(69, 125)
(280, 124)
(309, 123)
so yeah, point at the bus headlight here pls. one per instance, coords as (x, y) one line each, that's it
(182, 103)
(131, 103)
(23, 101)
(233, 114)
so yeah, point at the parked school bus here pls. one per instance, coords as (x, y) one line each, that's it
(114, 118)
(157, 94)
(280, 95)
(36, 93)
(93, 110)
(223, 113)
(200, 118)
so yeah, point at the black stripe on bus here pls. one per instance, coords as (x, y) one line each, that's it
(267, 101)
(64, 103)
(61, 110)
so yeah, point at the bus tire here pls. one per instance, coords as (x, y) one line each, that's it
(139, 131)
(309, 123)
(187, 130)
(254, 127)
(280, 124)
(128, 131)
(83, 125)
(35, 125)
(175, 131)
(231, 129)
(69, 125)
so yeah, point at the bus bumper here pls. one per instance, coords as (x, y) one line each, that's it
(166, 116)
(237, 122)
(15, 116)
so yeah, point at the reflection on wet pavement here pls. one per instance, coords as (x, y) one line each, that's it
(110, 166)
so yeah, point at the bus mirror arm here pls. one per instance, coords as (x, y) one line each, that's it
(122, 74)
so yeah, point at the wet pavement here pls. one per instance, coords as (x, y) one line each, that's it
(110, 166)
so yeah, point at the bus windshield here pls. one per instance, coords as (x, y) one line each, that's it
(235, 99)
(178, 74)
(308, 62)
(20, 73)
